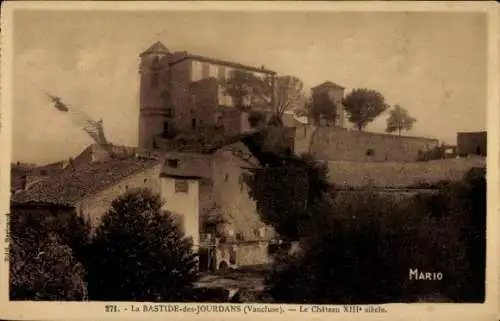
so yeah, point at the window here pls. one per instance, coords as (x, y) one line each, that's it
(181, 186)
(173, 163)
(193, 123)
(165, 127)
(221, 74)
(205, 71)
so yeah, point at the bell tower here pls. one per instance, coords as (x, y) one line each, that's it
(154, 101)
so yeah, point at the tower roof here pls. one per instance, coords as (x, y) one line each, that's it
(329, 84)
(157, 47)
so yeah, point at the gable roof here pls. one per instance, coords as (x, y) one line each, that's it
(72, 186)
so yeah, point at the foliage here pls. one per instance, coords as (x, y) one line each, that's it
(435, 153)
(285, 187)
(46, 252)
(140, 253)
(363, 106)
(320, 107)
(359, 248)
(277, 94)
(399, 120)
(256, 118)
(70, 228)
(288, 94)
(242, 86)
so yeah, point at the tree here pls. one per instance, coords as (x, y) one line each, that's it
(276, 94)
(140, 253)
(47, 254)
(350, 244)
(241, 86)
(285, 187)
(363, 106)
(321, 107)
(256, 119)
(399, 120)
(288, 94)
(44, 269)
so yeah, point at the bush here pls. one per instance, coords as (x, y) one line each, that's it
(140, 254)
(359, 248)
(44, 269)
(46, 251)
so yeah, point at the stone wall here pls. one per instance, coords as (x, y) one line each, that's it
(205, 101)
(233, 198)
(400, 174)
(329, 143)
(253, 254)
(180, 82)
(96, 205)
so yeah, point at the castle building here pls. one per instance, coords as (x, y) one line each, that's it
(333, 93)
(181, 92)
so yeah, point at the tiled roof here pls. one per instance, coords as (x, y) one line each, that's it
(72, 186)
(183, 164)
(157, 47)
(180, 56)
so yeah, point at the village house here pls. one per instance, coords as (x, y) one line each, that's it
(205, 189)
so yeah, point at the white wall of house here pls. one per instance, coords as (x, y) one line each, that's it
(181, 197)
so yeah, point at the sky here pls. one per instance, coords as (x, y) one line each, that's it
(432, 64)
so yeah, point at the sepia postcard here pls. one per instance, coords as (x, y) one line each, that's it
(249, 160)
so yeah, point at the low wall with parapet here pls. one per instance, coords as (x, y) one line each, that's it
(400, 174)
(329, 143)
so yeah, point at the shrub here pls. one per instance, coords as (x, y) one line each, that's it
(140, 254)
(359, 248)
(46, 251)
(44, 269)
